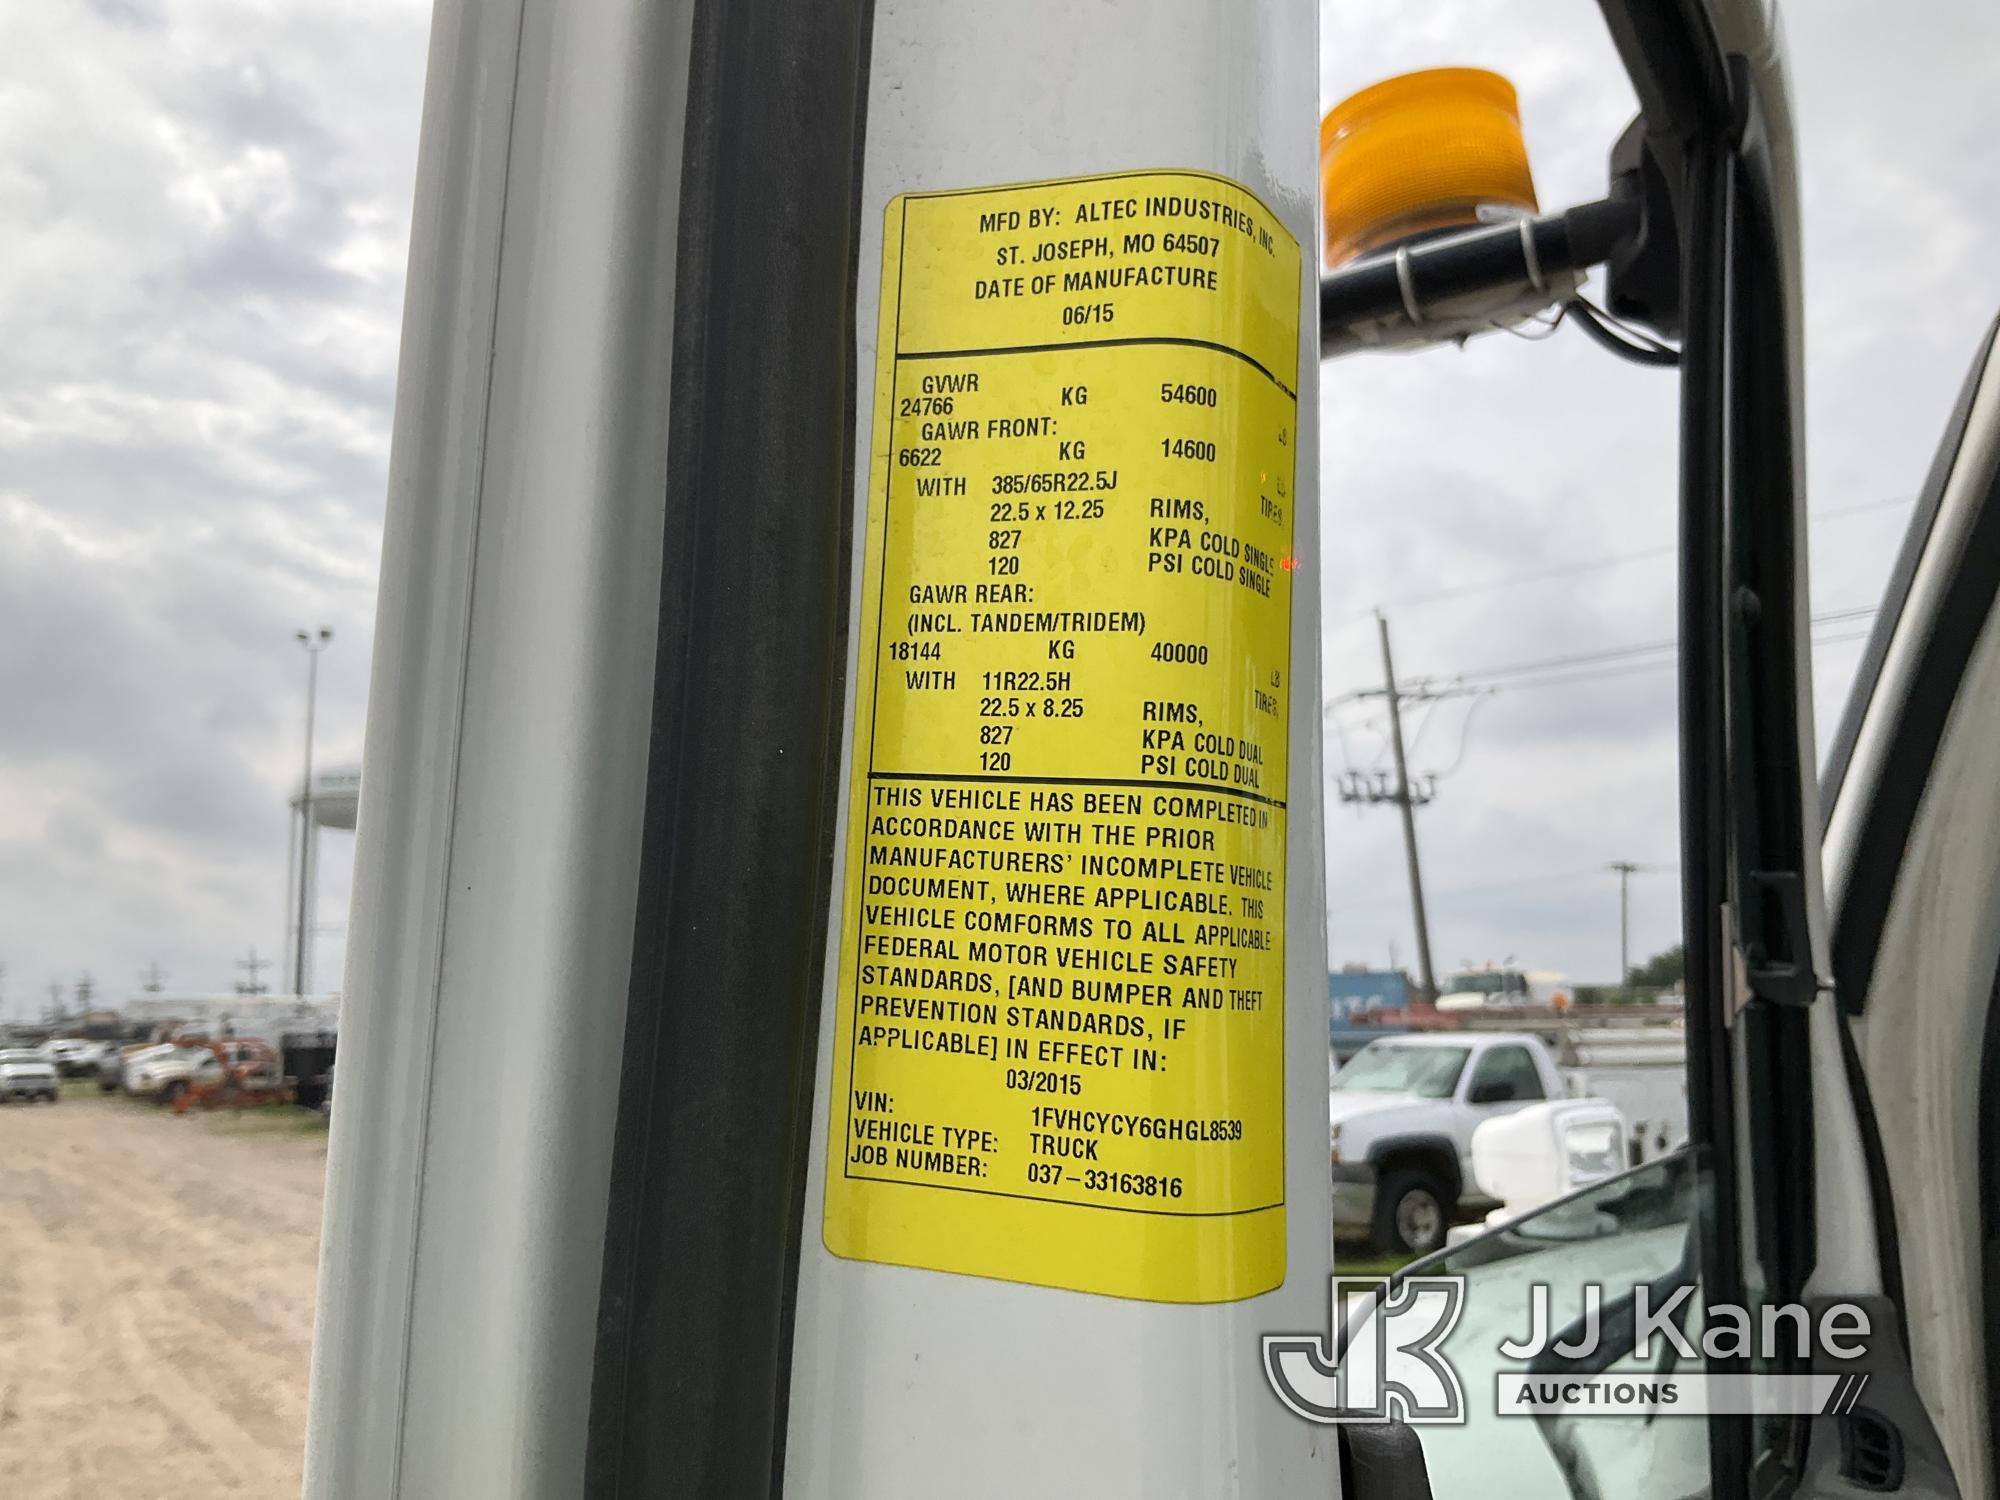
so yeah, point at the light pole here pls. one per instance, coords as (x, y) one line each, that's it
(313, 644)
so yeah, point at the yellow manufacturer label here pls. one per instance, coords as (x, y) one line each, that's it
(1059, 1047)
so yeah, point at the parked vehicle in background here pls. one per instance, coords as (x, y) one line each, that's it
(1640, 1069)
(72, 1056)
(110, 1072)
(26, 1074)
(1402, 1113)
(247, 1073)
(1344, 1039)
(113, 1071)
(166, 1072)
(1482, 989)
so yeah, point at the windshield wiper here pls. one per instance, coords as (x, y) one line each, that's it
(1617, 1328)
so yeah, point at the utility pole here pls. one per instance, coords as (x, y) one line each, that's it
(1407, 806)
(254, 966)
(1625, 870)
(314, 644)
(86, 991)
(153, 981)
(1407, 792)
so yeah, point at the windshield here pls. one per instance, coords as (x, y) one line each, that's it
(1616, 1235)
(1398, 1068)
(20, 1057)
(1487, 983)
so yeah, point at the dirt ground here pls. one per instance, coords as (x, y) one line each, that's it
(156, 1299)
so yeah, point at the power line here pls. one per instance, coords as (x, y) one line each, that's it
(1340, 737)
(1618, 653)
(1592, 564)
(1563, 679)
(1550, 877)
(1581, 658)
(1556, 672)
(1498, 678)
(1416, 737)
(1464, 735)
(1537, 575)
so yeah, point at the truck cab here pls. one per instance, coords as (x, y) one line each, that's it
(1401, 1115)
(1492, 987)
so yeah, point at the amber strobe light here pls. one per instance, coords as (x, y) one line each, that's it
(1441, 149)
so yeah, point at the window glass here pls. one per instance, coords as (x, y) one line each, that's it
(1390, 1068)
(1629, 1232)
(1472, 984)
(1510, 1068)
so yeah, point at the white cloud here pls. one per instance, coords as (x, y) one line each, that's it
(208, 204)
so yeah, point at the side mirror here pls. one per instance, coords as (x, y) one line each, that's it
(1492, 1093)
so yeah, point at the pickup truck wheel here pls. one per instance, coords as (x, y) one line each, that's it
(1412, 1212)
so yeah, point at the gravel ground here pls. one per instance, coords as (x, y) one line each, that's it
(156, 1299)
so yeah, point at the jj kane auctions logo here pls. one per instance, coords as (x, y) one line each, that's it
(1383, 1357)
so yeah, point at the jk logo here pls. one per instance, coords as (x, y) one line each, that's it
(1379, 1362)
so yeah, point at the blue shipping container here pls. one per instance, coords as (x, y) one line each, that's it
(1351, 991)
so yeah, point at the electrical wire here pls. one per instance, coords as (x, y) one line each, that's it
(1578, 659)
(1585, 666)
(1548, 327)
(1511, 580)
(1423, 723)
(1464, 734)
(1593, 564)
(1498, 675)
(1340, 738)
(1621, 339)
(1551, 877)
(1628, 669)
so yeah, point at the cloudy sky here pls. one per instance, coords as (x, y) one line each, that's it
(205, 210)
(205, 207)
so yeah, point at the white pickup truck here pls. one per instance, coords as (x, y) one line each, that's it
(1403, 1109)
(26, 1074)
(166, 1071)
